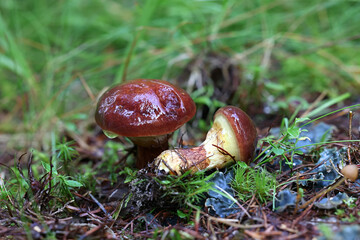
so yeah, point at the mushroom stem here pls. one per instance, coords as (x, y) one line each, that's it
(146, 155)
(148, 148)
(210, 154)
(220, 148)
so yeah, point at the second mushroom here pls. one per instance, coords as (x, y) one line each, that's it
(233, 137)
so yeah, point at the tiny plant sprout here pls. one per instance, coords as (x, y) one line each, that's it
(146, 111)
(232, 137)
(350, 172)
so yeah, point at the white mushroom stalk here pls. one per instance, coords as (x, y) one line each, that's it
(232, 138)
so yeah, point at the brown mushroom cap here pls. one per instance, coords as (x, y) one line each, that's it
(143, 108)
(350, 172)
(244, 130)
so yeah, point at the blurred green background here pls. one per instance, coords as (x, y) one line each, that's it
(57, 56)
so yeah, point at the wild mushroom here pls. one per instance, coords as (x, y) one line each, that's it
(146, 111)
(350, 172)
(233, 137)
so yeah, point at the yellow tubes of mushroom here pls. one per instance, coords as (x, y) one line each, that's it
(232, 138)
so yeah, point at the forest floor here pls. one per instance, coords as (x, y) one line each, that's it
(276, 198)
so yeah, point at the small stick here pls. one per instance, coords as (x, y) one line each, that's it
(302, 215)
(298, 195)
(334, 167)
(167, 165)
(322, 193)
(224, 152)
(100, 205)
(20, 169)
(350, 135)
(86, 87)
(312, 106)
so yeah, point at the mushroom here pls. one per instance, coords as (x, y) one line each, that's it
(147, 111)
(232, 137)
(350, 172)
